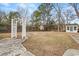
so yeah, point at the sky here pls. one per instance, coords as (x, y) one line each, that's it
(30, 6)
(13, 6)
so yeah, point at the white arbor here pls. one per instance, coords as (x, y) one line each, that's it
(14, 28)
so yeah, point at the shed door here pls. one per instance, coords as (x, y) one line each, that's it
(71, 28)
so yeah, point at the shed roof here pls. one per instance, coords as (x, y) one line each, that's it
(72, 24)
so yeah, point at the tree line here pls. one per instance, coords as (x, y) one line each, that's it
(53, 16)
(47, 17)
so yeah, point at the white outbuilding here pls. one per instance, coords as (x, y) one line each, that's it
(72, 28)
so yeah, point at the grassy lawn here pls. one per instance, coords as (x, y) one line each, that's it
(49, 43)
(8, 35)
(4, 35)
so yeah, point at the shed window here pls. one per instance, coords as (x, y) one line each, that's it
(67, 28)
(75, 28)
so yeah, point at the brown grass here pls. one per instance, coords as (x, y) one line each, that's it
(49, 43)
(4, 35)
(8, 35)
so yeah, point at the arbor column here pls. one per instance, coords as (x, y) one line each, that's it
(23, 28)
(13, 29)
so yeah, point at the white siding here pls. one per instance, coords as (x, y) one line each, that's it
(75, 31)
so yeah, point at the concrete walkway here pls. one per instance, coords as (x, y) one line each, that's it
(14, 47)
(75, 36)
(73, 52)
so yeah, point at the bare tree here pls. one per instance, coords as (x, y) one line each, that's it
(76, 8)
(58, 10)
(23, 16)
(2, 16)
(23, 13)
(69, 16)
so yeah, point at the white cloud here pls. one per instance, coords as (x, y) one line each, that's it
(9, 9)
(5, 4)
(29, 6)
(75, 21)
(22, 5)
(69, 8)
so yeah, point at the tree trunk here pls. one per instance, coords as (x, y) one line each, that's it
(58, 28)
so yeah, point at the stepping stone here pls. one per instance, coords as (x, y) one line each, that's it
(71, 52)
